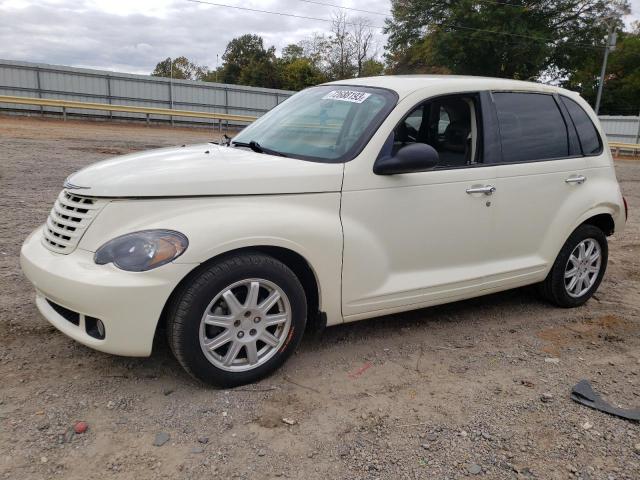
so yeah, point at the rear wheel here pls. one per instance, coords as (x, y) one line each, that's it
(578, 269)
(237, 320)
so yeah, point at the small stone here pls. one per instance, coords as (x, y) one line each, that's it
(587, 425)
(161, 439)
(197, 450)
(111, 404)
(80, 427)
(44, 459)
(203, 439)
(288, 421)
(167, 391)
(261, 453)
(546, 397)
(474, 469)
(431, 437)
(425, 446)
(552, 360)
(636, 448)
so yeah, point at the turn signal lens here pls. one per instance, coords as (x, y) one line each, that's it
(142, 251)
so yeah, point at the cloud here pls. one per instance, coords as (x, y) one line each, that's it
(132, 36)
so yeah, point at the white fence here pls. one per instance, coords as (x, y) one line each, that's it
(621, 129)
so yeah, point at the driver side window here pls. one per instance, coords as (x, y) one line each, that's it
(448, 124)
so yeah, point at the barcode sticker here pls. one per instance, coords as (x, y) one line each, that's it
(347, 96)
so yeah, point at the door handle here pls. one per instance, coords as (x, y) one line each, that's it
(578, 179)
(487, 190)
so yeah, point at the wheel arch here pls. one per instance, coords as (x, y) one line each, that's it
(301, 267)
(604, 221)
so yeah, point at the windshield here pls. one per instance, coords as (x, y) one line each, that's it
(329, 123)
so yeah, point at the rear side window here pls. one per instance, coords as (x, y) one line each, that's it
(531, 127)
(587, 133)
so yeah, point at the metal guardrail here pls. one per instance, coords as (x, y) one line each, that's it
(65, 104)
(618, 148)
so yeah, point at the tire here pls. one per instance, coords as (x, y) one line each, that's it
(257, 338)
(558, 288)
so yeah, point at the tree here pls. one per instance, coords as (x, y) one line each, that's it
(246, 62)
(338, 52)
(371, 68)
(301, 73)
(362, 40)
(180, 68)
(524, 39)
(621, 94)
(298, 71)
(345, 52)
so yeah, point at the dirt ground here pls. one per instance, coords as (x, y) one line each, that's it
(478, 388)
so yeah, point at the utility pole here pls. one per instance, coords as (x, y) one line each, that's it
(610, 47)
(171, 89)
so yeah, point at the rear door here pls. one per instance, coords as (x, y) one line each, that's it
(539, 185)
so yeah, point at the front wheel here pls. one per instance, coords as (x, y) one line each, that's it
(578, 269)
(237, 320)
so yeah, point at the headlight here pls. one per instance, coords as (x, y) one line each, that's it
(141, 251)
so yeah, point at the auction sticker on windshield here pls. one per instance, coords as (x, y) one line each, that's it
(347, 96)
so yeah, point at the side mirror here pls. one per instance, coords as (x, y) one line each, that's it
(416, 157)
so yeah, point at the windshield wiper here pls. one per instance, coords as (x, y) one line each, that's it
(255, 146)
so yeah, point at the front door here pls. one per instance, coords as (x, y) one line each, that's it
(414, 239)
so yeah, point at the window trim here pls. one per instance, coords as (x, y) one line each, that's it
(480, 112)
(600, 142)
(553, 95)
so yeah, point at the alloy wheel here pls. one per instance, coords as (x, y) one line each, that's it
(583, 267)
(245, 325)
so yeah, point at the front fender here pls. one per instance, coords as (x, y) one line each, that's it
(308, 224)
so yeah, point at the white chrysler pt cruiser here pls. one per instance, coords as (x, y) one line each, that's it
(348, 201)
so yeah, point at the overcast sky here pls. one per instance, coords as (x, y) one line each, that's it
(133, 35)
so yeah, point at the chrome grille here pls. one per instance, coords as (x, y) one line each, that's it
(68, 220)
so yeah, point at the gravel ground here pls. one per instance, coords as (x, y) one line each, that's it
(478, 388)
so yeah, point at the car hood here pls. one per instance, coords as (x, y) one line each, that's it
(204, 169)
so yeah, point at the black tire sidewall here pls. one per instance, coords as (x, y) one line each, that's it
(556, 280)
(211, 282)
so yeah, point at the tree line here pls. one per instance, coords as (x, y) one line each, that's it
(349, 50)
(560, 42)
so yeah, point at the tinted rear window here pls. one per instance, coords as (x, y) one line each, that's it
(531, 127)
(587, 133)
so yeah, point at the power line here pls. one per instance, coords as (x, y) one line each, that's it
(327, 20)
(344, 8)
(282, 14)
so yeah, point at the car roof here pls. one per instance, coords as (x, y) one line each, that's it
(404, 85)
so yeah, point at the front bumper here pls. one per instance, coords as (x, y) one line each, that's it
(129, 304)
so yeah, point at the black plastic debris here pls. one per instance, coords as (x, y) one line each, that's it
(584, 394)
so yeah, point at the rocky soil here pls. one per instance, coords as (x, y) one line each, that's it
(475, 389)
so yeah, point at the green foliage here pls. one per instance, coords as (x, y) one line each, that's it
(544, 37)
(180, 68)
(300, 73)
(246, 62)
(621, 95)
(372, 68)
